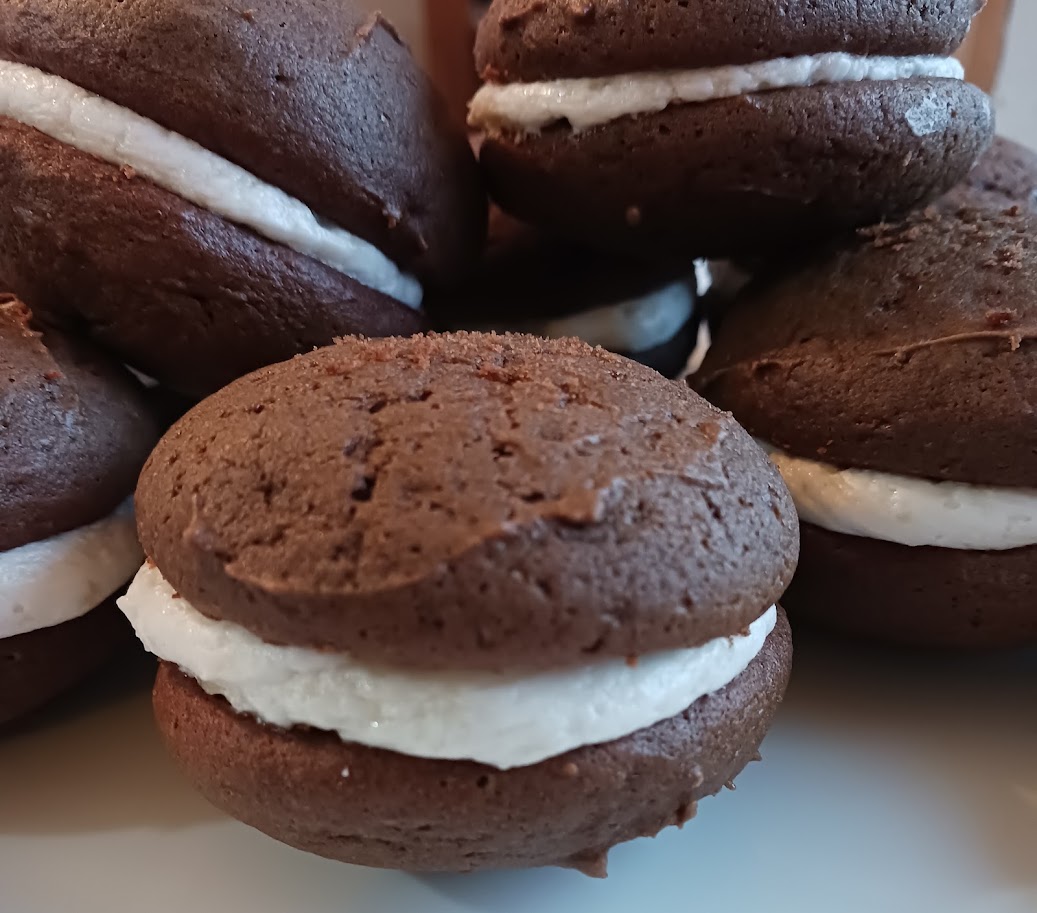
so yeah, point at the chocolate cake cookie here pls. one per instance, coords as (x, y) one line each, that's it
(1007, 173)
(206, 188)
(464, 601)
(532, 282)
(895, 382)
(76, 431)
(723, 128)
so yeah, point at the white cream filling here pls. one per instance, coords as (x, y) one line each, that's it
(588, 102)
(909, 510)
(46, 583)
(635, 325)
(501, 720)
(120, 137)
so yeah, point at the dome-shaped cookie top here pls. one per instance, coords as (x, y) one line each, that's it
(317, 97)
(528, 40)
(468, 501)
(912, 350)
(74, 431)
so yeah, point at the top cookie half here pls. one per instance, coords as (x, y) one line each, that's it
(317, 97)
(468, 501)
(530, 40)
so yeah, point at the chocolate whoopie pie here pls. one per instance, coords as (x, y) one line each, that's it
(464, 601)
(74, 432)
(532, 282)
(895, 380)
(724, 128)
(205, 188)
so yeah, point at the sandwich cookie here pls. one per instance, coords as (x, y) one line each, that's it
(75, 433)
(461, 602)
(531, 282)
(723, 128)
(894, 382)
(205, 188)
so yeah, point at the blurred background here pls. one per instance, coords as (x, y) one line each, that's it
(999, 54)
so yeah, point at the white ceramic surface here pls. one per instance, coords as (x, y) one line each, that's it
(893, 783)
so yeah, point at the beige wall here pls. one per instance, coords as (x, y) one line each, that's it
(1016, 94)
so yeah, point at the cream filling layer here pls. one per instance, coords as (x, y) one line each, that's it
(46, 583)
(635, 325)
(589, 102)
(502, 720)
(909, 510)
(116, 135)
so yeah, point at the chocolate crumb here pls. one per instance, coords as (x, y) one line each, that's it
(685, 813)
(1001, 317)
(582, 10)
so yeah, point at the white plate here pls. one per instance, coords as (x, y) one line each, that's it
(891, 783)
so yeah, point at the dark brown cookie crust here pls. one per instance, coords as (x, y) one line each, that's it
(1006, 175)
(317, 97)
(928, 597)
(37, 667)
(743, 175)
(401, 812)
(526, 40)
(74, 431)
(468, 501)
(912, 350)
(184, 295)
(527, 273)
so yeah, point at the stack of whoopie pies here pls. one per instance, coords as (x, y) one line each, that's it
(431, 602)
(456, 601)
(893, 378)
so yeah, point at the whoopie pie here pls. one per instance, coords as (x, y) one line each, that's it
(465, 601)
(723, 127)
(74, 432)
(205, 188)
(894, 381)
(531, 281)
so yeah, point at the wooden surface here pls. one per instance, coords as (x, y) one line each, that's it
(449, 36)
(982, 51)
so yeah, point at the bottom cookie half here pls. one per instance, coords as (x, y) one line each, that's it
(919, 596)
(38, 666)
(380, 808)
